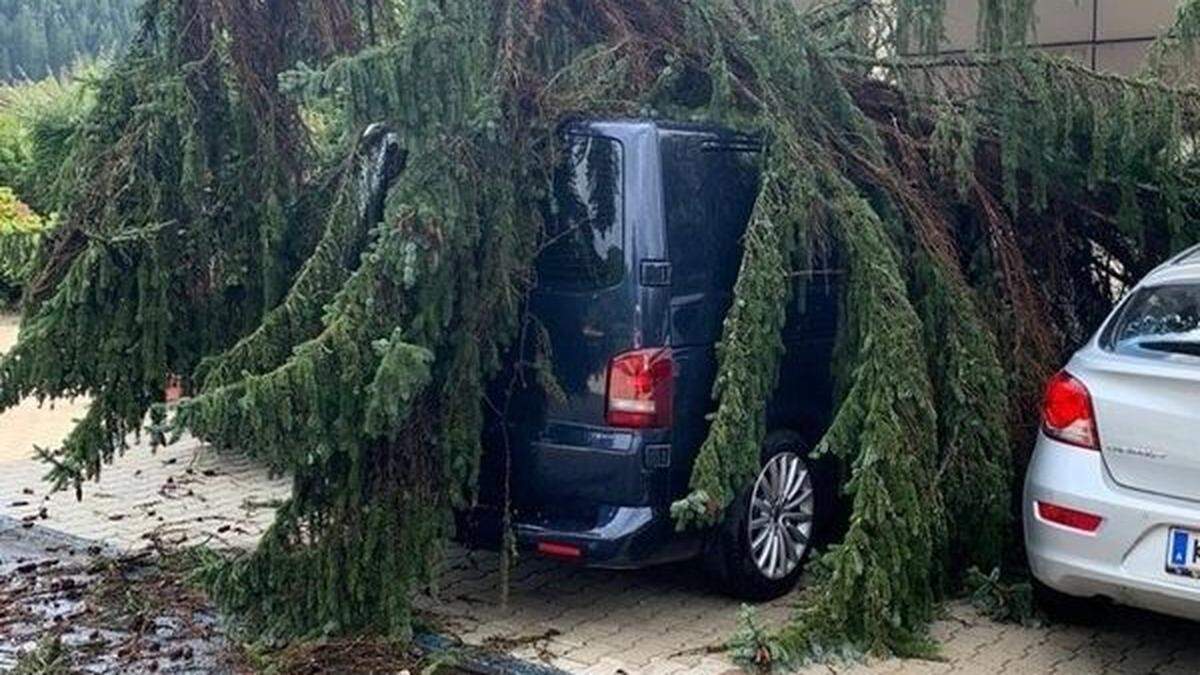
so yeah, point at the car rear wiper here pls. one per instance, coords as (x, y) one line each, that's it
(1187, 348)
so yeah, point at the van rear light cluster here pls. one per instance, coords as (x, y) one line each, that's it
(640, 389)
(1070, 518)
(1068, 415)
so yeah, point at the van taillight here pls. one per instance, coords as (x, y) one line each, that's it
(1067, 413)
(640, 389)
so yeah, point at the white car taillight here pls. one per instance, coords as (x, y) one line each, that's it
(1068, 415)
(1070, 518)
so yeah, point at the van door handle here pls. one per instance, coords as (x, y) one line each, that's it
(656, 273)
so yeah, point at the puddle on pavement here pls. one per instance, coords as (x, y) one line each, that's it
(123, 615)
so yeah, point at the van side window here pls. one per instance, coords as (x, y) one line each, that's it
(816, 302)
(585, 226)
(710, 192)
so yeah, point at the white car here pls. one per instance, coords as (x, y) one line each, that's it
(1112, 496)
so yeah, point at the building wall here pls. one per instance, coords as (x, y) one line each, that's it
(1110, 35)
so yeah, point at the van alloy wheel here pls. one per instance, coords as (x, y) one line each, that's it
(781, 515)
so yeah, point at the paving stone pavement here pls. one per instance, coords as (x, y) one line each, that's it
(654, 622)
(30, 424)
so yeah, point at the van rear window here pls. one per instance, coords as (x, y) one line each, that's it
(1162, 320)
(585, 227)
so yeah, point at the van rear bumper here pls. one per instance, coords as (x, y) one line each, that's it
(626, 537)
(574, 463)
(601, 491)
(621, 537)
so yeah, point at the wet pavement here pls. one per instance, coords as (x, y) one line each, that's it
(31, 424)
(73, 602)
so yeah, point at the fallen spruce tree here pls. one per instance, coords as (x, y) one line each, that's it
(987, 209)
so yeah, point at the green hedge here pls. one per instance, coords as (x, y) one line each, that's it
(20, 231)
(39, 126)
(15, 152)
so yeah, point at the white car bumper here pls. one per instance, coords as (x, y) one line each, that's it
(1125, 559)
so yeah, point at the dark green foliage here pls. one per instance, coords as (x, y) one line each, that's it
(879, 591)
(970, 395)
(1004, 24)
(41, 38)
(1173, 55)
(159, 259)
(298, 317)
(356, 355)
(364, 503)
(1001, 24)
(374, 405)
(39, 124)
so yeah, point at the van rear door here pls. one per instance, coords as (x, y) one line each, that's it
(588, 298)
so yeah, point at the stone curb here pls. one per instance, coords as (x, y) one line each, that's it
(22, 541)
(479, 660)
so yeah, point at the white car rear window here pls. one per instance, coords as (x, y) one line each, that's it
(1158, 320)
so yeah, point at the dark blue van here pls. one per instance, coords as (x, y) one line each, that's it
(646, 224)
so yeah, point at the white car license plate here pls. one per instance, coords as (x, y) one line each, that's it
(1183, 552)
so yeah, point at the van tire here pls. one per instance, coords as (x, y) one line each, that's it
(728, 557)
